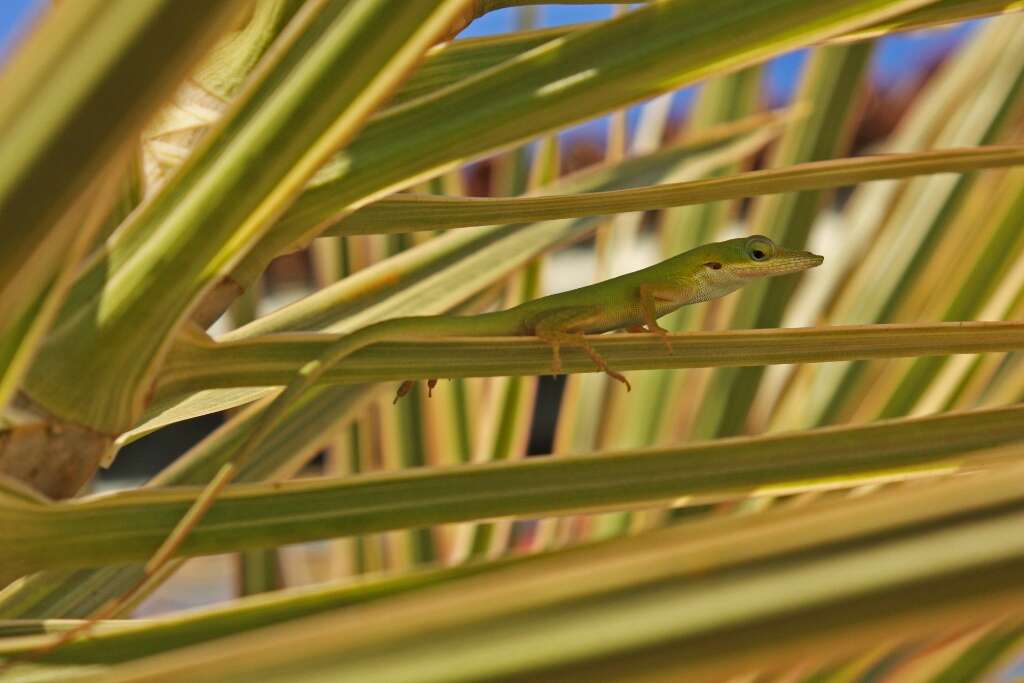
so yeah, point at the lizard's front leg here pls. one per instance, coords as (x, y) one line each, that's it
(565, 326)
(650, 295)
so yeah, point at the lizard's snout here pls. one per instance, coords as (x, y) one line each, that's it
(792, 261)
(801, 259)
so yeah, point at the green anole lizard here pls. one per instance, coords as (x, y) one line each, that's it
(625, 302)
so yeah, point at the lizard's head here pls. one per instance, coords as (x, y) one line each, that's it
(747, 258)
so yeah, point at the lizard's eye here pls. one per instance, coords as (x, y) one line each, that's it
(713, 265)
(760, 248)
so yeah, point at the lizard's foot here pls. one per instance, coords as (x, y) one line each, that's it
(663, 333)
(657, 329)
(600, 362)
(556, 358)
(565, 326)
(403, 389)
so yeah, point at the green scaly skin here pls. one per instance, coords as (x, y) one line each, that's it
(625, 302)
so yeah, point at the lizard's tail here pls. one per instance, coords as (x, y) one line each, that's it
(496, 324)
(396, 329)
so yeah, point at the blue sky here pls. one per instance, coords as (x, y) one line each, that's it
(13, 14)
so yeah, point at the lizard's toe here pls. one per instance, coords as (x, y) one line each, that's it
(403, 389)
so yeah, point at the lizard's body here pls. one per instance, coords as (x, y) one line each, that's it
(627, 301)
